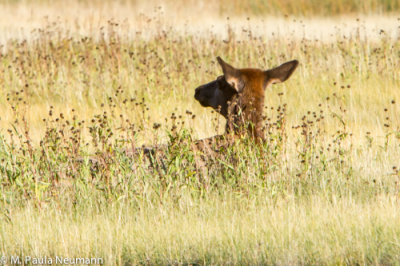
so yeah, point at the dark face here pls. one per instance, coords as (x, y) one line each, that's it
(215, 94)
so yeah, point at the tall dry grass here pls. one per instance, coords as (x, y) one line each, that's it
(322, 189)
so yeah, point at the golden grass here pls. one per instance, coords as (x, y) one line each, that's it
(323, 189)
(227, 230)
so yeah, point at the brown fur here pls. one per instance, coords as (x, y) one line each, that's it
(239, 95)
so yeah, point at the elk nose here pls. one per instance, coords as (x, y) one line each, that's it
(197, 92)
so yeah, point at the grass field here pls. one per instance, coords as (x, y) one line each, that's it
(92, 80)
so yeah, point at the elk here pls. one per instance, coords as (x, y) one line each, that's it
(238, 95)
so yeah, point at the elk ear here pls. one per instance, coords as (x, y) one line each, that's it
(281, 73)
(232, 75)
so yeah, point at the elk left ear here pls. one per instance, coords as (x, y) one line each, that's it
(232, 75)
(281, 73)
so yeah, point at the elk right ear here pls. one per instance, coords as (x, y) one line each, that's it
(232, 75)
(281, 73)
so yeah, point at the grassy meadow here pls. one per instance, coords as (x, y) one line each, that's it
(84, 83)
